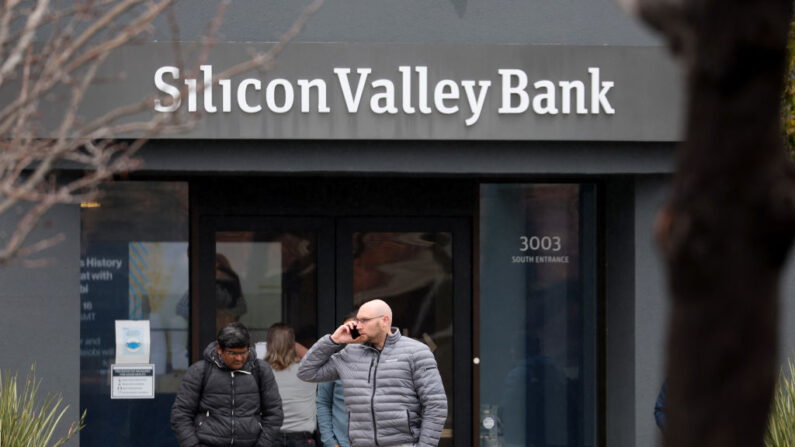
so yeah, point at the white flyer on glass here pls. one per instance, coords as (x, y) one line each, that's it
(132, 381)
(132, 341)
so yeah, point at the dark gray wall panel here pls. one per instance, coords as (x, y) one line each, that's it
(407, 157)
(573, 22)
(40, 317)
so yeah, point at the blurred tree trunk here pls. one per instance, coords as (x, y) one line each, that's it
(727, 229)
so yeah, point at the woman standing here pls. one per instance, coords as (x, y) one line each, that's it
(298, 397)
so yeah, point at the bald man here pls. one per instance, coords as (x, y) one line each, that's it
(393, 392)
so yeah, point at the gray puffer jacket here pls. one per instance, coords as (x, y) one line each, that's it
(392, 396)
(227, 405)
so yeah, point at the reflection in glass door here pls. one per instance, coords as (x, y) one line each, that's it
(262, 278)
(262, 271)
(412, 272)
(537, 315)
(410, 264)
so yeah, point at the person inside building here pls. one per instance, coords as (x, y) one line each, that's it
(230, 304)
(298, 397)
(332, 421)
(393, 391)
(229, 397)
(659, 406)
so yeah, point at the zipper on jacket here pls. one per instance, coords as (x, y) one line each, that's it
(372, 399)
(369, 371)
(408, 421)
(233, 408)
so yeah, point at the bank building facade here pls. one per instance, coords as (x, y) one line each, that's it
(491, 170)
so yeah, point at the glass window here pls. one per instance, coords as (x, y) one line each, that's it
(134, 266)
(537, 306)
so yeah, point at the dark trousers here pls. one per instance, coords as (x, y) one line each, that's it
(294, 439)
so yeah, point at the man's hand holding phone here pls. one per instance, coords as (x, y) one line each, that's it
(345, 334)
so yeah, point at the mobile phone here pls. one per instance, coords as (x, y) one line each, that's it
(354, 333)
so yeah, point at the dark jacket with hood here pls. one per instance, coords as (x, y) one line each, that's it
(227, 407)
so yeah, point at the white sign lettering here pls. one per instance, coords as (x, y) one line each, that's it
(389, 95)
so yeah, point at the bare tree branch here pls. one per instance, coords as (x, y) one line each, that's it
(34, 20)
(58, 53)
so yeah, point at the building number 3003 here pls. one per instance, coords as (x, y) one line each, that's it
(533, 243)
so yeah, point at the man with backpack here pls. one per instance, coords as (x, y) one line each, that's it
(228, 398)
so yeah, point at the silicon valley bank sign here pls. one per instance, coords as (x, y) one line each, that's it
(464, 98)
(343, 91)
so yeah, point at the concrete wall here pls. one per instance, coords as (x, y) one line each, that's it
(40, 316)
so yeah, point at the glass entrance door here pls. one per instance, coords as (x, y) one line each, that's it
(310, 273)
(420, 267)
